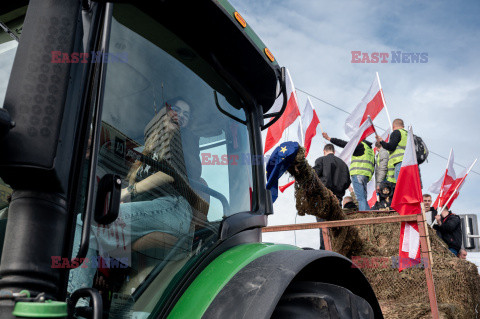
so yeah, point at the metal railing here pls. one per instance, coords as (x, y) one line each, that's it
(425, 249)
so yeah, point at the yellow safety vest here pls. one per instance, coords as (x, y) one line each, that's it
(396, 156)
(363, 165)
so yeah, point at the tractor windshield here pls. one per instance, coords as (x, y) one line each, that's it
(184, 165)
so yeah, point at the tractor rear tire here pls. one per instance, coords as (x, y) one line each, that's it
(306, 299)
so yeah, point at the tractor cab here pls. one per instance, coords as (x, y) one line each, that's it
(153, 105)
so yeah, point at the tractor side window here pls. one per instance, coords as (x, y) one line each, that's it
(184, 165)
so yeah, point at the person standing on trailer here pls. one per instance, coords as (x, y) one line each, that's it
(396, 147)
(361, 168)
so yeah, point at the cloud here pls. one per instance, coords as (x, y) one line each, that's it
(439, 98)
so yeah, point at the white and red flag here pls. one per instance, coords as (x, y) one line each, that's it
(310, 122)
(372, 191)
(447, 178)
(362, 133)
(275, 132)
(406, 201)
(454, 189)
(371, 104)
(306, 132)
(443, 184)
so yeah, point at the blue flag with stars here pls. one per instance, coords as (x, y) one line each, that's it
(280, 160)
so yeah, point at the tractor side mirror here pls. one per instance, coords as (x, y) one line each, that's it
(281, 90)
(107, 203)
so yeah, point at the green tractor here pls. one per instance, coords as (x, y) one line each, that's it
(132, 184)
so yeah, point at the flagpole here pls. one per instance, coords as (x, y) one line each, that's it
(459, 184)
(446, 170)
(385, 104)
(373, 126)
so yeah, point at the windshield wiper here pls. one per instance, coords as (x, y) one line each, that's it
(7, 30)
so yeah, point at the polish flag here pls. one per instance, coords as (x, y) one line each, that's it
(454, 189)
(443, 184)
(447, 178)
(372, 191)
(310, 122)
(306, 132)
(275, 132)
(362, 133)
(371, 104)
(406, 201)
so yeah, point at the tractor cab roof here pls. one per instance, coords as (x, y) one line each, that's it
(215, 31)
(212, 29)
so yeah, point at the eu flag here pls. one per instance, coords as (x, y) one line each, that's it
(280, 160)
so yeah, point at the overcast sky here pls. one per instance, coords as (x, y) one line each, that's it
(439, 98)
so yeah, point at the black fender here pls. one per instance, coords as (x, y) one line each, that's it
(256, 289)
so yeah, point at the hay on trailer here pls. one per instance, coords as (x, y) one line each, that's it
(405, 294)
(313, 198)
(401, 295)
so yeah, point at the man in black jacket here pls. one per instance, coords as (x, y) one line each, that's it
(333, 172)
(450, 230)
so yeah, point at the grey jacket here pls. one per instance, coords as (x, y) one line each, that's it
(381, 163)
